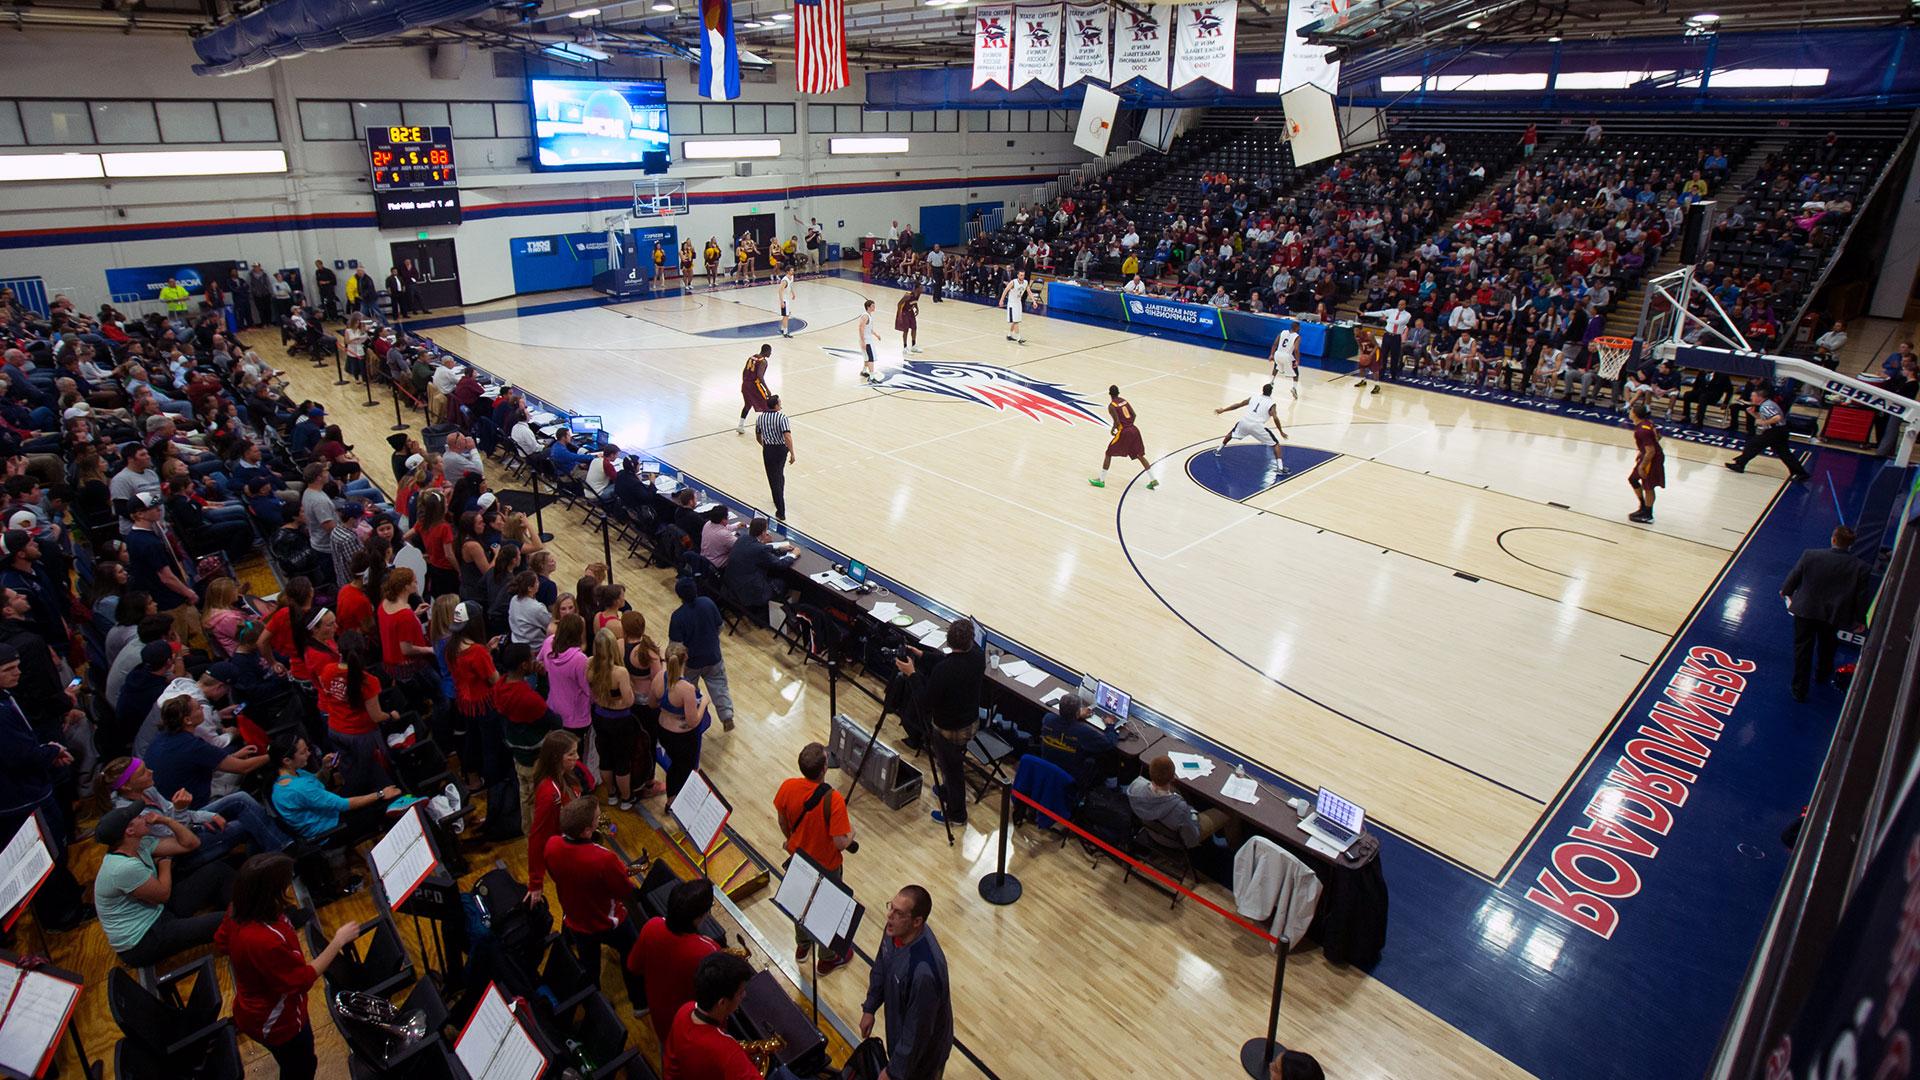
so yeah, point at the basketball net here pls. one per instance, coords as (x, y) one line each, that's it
(1614, 353)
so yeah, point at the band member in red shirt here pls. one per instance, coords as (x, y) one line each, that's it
(698, 1046)
(1650, 468)
(594, 891)
(753, 386)
(669, 951)
(1126, 441)
(271, 975)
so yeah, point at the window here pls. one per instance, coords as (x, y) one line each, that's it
(510, 119)
(1604, 80)
(948, 120)
(846, 118)
(683, 119)
(470, 119)
(819, 119)
(125, 122)
(10, 132)
(373, 114)
(749, 119)
(188, 121)
(1748, 78)
(425, 113)
(780, 120)
(900, 121)
(247, 121)
(325, 121)
(1490, 82)
(922, 121)
(716, 119)
(56, 123)
(980, 120)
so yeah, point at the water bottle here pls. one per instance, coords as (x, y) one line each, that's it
(993, 658)
(1240, 770)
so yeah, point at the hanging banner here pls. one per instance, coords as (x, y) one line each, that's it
(1205, 31)
(1089, 43)
(1140, 46)
(1303, 63)
(992, 46)
(1037, 53)
(719, 51)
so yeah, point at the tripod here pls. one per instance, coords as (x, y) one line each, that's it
(933, 763)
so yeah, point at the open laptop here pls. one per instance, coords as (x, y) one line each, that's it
(1334, 820)
(1112, 701)
(857, 570)
(585, 425)
(834, 579)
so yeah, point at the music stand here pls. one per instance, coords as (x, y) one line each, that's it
(36, 1007)
(496, 1044)
(409, 878)
(822, 908)
(25, 864)
(701, 812)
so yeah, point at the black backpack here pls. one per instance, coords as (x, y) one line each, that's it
(1106, 813)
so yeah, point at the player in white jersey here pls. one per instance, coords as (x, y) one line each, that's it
(1286, 358)
(1252, 424)
(869, 340)
(1013, 297)
(786, 299)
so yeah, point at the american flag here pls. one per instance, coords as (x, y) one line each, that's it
(820, 45)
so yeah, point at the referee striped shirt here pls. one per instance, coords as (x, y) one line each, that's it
(772, 428)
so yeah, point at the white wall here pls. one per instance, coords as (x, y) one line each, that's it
(275, 218)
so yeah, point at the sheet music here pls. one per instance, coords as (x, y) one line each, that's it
(23, 862)
(9, 978)
(403, 857)
(494, 1046)
(700, 811)
(34, 1021)
(831, 913)
(796, 889)
(1241, 789)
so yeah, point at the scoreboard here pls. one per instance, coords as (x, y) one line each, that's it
(409, 158)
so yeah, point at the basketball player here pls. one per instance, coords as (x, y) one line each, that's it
(1366, 364)
(1286, 357)
(1253, 424)
(753, 386)
(786, 298)
(1126, 440)
(1013, 297)
(906, 319)
(712, 256)
(1650, 469)
(869, 340)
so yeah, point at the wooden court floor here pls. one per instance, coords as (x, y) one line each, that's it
(1436, 620)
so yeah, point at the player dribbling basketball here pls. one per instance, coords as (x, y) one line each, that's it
(753, 387)
(1252, 425)
(1126, 441)
(1649, 467)
(1285, 358)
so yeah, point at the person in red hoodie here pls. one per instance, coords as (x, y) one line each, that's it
(670, 949)
(594, 892)
(271, 976)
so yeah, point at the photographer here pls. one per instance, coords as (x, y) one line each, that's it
(813, 818)
(947, 697)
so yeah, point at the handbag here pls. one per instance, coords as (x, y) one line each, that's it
(867, 1061)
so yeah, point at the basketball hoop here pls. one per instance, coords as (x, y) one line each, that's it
(1613, 353)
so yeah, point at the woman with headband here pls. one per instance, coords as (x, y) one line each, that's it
(222, 825)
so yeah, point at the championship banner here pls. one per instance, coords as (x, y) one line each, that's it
(1140, 46)
(1302, 63)
(1037, 53)
(1206, 43)
(992, 46)
(1089, 43)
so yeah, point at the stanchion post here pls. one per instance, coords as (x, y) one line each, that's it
(398, 423)
(1257, 1055)
(339, 377)
(1001, 888)
(366, 380)
(606, 543)
(833, 693)
(539, 519)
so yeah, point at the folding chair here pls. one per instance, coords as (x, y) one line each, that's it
(1162, 849)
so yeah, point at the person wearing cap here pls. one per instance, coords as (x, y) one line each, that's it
(149, 914)
(23, 573)
(221, 825)
(461, 458)
(405, 449)
(135, 477)
(344, 542)
(29, 766)
(308, 429)
(152, 561)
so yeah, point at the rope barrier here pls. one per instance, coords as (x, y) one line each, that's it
(1143, 868)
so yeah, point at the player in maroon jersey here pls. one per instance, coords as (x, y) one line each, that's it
(753, 387)
(1126, 441)
(1650, 467)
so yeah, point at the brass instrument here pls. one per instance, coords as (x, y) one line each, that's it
(761, 1051)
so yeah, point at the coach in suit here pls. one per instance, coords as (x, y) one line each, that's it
(752, 569)
(1826, 592)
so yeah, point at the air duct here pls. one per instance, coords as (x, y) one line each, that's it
(289, 28)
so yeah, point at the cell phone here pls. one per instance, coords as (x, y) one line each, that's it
(76, 683)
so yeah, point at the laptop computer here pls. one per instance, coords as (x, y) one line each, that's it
(585, 425)
(857, 570)
(1334, 820)
(1112, 701)
(834, 579)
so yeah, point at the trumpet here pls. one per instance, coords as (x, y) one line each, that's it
(761, 1051)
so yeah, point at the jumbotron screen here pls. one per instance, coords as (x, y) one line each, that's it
(599, 124)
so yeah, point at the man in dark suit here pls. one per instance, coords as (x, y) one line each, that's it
(753, 567)
(1826, 592)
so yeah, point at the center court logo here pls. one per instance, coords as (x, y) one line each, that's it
(989, 384)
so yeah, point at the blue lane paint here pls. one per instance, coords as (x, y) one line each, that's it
(1550, 996)
(1242, 470)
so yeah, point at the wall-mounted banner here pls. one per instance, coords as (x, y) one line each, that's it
(992, 46)
(132, 284)
(1206, 43)
(1303, 63)
(1089, 43)
(719, 51)
(1140, 46)
(1037, 51)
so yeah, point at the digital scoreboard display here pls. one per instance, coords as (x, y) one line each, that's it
(408, 158)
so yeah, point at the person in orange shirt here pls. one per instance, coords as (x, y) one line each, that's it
(813, 817)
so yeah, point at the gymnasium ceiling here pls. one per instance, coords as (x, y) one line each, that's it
(915, 32)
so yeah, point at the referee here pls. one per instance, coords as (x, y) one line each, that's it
(776, 451)
(1770, 434)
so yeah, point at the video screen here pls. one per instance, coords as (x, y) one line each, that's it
(599, 124)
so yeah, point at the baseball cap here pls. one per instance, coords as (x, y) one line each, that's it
(82, 409)
(414, 461)
(146, 500)
(223, 670)
(485, 501)
(155, 653)
(15, 540)
(113, 824)
(22, 519)
(462, 615)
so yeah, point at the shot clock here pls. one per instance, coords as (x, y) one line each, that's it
(408, 158)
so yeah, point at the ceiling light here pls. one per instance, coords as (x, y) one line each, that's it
(1704, 17)
(1473, 24)
(1554, 38)
(781, 16)
(663, 5)
(583, 13)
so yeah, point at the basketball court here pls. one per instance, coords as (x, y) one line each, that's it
(1437, 611)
